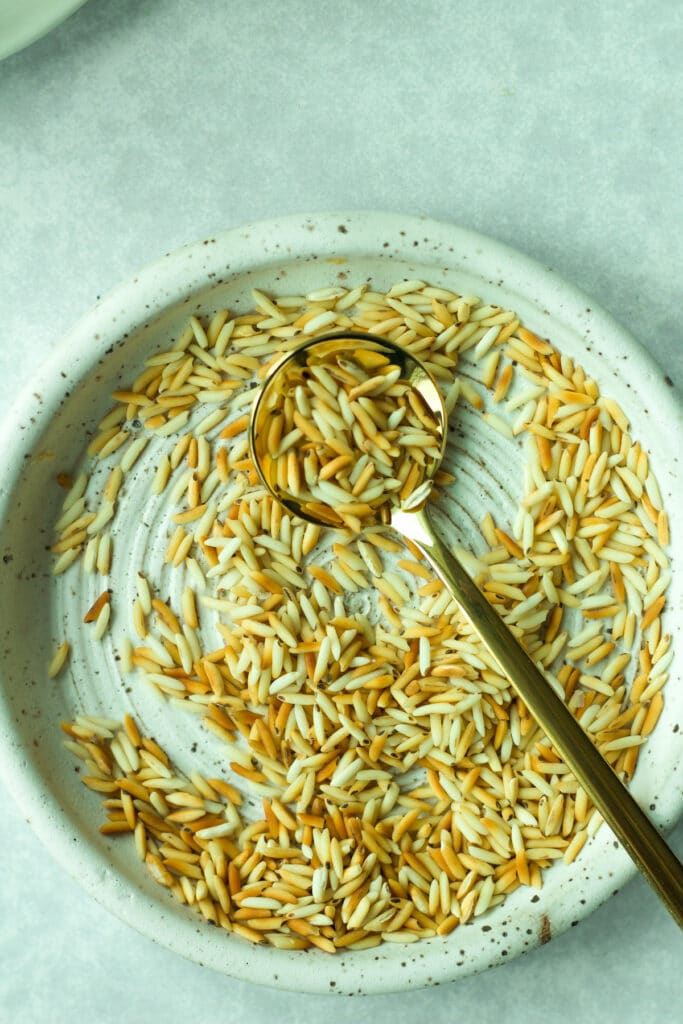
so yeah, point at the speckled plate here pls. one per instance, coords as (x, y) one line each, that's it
(45, 432)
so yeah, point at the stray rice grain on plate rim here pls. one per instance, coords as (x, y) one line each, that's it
(405, 789)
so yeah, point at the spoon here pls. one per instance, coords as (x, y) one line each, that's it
(412, 519)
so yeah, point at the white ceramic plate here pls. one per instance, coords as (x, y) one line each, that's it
(44, 434)
(24, 21)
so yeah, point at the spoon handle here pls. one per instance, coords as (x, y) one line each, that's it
(629, 823)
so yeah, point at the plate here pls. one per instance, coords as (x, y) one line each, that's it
(45, 432)
(22, 22)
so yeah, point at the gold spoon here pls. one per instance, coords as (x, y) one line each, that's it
(413, 520)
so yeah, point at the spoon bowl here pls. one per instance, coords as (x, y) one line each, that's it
(347, 354)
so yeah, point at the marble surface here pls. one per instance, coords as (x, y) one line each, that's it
(142, 124)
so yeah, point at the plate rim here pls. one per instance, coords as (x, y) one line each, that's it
(31, 29)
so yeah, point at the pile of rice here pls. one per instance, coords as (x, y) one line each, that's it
(405, 789)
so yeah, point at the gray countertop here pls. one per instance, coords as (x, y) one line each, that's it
(138, 125)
